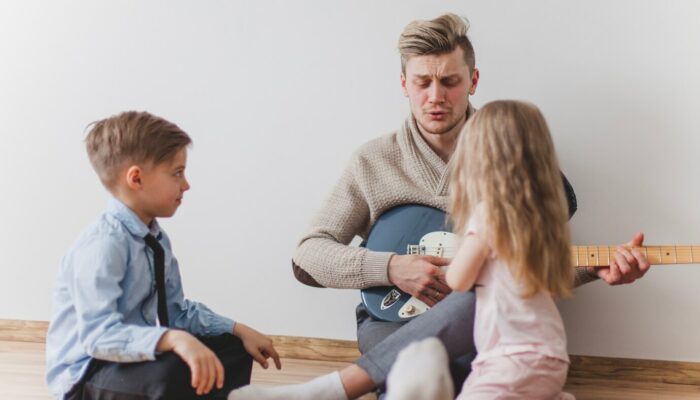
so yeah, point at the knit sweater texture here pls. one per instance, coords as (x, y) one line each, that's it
(392, 170)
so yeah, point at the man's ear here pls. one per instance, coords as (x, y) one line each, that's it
(133, 177)
(475, 81)
(403, 84)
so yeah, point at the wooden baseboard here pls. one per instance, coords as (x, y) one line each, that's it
(23, 331)
(636, 370)
(586, 367)
(302, 348)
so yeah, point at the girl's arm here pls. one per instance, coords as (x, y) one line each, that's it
(467, 263)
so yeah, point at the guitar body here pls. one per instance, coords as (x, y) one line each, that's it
(426, 231)
(418, 229)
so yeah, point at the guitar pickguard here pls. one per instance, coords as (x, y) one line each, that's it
(407, 229)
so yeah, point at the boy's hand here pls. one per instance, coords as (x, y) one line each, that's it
(257, 345)
(204, 364)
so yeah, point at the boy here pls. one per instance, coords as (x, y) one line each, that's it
(121, 326)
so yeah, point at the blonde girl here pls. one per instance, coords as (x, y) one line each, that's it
(509, 207)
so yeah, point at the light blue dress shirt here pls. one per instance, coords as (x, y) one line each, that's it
(105, 304)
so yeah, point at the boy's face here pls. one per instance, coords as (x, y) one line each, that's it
(163, 186)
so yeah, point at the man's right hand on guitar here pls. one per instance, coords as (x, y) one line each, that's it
(420, 276)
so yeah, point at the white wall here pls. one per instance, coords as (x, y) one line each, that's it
(277, 94)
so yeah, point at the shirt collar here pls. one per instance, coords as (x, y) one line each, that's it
(130, 220)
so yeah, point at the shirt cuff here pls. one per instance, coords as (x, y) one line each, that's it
(221, 325)
(375, 269)
(149, 342)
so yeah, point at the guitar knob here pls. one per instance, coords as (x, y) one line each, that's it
(410, 309)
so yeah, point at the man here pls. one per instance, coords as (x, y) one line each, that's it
(407, 167)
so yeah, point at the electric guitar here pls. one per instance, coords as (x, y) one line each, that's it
(418, 229)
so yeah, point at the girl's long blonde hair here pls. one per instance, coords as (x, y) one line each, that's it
(505, 160)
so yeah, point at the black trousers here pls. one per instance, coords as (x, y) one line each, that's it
(166, 378)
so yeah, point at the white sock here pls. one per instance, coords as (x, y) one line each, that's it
(420, 372)
(325, 387)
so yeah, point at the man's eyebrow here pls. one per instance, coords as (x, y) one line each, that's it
(428, 76)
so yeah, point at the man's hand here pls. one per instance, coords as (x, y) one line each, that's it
(420, 276)
(627, 267)
(257, 345)
(204, 364)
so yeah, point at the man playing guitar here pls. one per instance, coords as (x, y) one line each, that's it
(410, 166)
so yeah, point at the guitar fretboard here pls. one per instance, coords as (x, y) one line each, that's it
(598, 256)
(595, 256)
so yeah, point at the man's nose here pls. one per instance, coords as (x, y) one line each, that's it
(436, 93)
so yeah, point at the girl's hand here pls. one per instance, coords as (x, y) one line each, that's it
(257, 345)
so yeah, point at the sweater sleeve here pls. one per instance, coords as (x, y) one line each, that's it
(582, 275)
(323, 253)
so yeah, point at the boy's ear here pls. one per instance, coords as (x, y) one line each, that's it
(133, 177)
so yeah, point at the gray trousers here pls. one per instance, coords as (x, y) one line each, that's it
(451, 321)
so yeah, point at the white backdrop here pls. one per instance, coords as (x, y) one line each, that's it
(277, 95)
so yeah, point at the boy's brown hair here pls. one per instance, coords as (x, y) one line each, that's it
(131, 137)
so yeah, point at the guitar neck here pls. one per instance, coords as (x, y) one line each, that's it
(596, 256)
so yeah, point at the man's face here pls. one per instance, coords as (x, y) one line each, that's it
(438, 89)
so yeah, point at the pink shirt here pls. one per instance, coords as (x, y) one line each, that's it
(508, 324)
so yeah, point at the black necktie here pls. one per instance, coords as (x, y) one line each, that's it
(159, 262)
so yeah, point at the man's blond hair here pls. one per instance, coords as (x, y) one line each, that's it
(131, 137)
(438, 36)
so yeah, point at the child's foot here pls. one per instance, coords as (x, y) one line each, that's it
(421, 371)
(327, 387)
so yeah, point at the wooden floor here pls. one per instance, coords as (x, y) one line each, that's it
(22, 378)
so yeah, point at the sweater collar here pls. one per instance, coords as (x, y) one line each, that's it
(434, 169)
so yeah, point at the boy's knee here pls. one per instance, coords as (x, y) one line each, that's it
(172, 374)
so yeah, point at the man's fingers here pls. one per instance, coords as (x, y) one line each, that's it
(637, 240)
(642, 262)
(441, 288)
(626, 253)
(432, 293)
(438, 261)
(613, 274)
(625, 267)
(426, 299)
